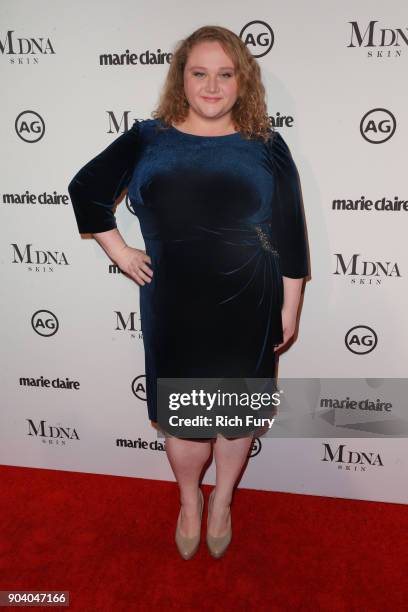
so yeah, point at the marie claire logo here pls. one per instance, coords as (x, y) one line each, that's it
(255, 448)
(114, 269)
(57, 435)
(350, 404)
(139, 387)
(33, 199)
(29, 126)
(128, 58)
(140, 444)
(351, 460)
(361, 339)
(258, 36)
(128, 323)
(25, 50)
(378, 125)
(279, 120)
(361, 272)
(379, 42)
(36, 260)
(48, 383)
(382, 204)
(44, 323)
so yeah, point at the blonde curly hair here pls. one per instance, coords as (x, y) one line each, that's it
(249, 113)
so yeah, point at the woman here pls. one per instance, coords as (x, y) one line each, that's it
(216, 192)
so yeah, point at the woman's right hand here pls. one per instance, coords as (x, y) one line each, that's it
(134, 263)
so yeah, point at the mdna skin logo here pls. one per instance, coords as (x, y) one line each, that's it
(380, 42)
(364, 272)
(129, 322)
(38, 260)
(24, 49)
(351, 460)
(57, 435)
(120, 123)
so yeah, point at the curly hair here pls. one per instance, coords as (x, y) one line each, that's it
(249, 113)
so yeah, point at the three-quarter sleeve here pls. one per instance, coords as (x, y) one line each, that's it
(98, 184)
(288, 222)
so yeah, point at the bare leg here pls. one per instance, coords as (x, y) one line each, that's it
(187, 459)
(230, 456)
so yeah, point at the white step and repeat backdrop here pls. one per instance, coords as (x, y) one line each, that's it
(73, 387)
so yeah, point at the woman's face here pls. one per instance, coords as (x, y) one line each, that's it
(210, 80)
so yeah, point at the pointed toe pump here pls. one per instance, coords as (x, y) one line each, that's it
(188, 546)
(218, 545)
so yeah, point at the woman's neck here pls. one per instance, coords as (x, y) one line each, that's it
(206, 127)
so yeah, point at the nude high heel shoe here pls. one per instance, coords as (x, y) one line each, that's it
(218, 545)
(187, 547)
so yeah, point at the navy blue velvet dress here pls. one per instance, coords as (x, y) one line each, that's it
(222, 221)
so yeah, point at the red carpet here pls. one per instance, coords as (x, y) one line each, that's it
(110, 542)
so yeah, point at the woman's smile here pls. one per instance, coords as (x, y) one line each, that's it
(211, 100)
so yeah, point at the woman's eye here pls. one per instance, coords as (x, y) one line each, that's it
(227, 75)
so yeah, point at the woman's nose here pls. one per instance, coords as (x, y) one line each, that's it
(212, 84)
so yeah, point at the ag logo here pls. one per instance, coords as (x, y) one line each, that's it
(378, 125)
(44, 323)
(139, 387)
(258, 37)
(255, 448)
(29, 126)
(361, 340)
